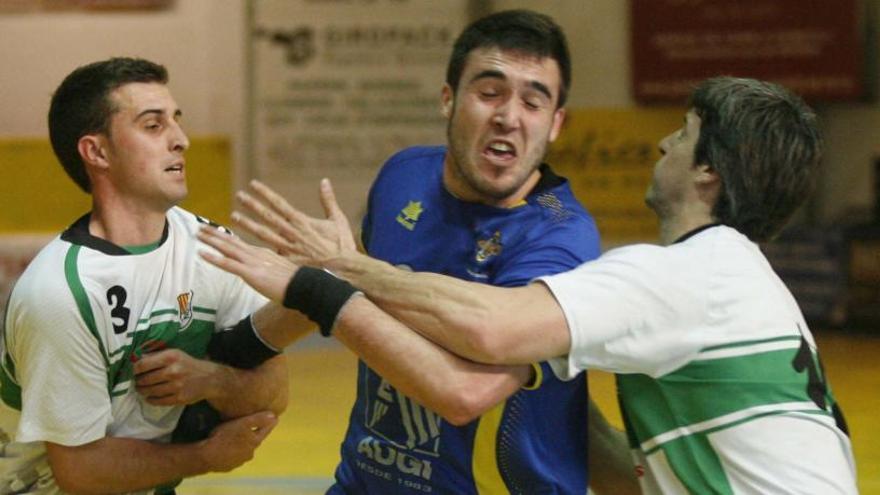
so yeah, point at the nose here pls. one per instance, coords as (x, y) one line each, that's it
(179, 140)
(663, 145)
(506, 116)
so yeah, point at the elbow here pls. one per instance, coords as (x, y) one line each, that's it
(71, 482)
(279, 405)
(67, 468)
(465, 404)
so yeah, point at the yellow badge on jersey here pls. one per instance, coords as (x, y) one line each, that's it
(489, 247)
(410, 214)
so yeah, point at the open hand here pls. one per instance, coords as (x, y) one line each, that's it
(266, 271)
(307, 240)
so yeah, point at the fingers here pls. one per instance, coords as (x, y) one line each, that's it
(270, 207)
(259, 425)
(284, 219)
(261, 232)
(336, 215)
(151, 361)
(231, 258)
(275, 200)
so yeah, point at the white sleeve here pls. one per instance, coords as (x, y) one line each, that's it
(629, 311)
(59, 366)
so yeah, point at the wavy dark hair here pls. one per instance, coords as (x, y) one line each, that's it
(765, 144)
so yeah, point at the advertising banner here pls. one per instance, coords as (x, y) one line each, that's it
(338, 86)
(813, 47)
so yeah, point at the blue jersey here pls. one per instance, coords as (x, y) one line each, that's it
(536, 440)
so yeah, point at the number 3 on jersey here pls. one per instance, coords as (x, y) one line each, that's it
(119, 314)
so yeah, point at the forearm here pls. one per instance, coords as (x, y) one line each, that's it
(480, 322)
(457, 389)
(611, 467)
(116, 465)
(241, 392)
(279, 327)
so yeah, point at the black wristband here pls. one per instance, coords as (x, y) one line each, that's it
(319, 295)
(239, 346)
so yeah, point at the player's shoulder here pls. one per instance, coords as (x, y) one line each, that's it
(190, 222)
(560, 212)
(554, 198)
(45, 277)
(413, 159)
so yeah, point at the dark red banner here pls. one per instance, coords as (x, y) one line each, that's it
(814, 47)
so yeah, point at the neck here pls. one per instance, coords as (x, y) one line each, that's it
(457, 186)
(125, 225)
(674, 226)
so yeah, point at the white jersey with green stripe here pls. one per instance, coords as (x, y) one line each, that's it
(720, 382)
(79, 316)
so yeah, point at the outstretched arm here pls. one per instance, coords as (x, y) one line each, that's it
(457, 389)
(477, 321)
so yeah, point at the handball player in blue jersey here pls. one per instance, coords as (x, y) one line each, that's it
(484, 209)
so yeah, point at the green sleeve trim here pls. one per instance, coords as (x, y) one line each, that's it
(71, 272)
(10, 392)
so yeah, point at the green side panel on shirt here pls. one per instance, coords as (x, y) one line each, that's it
(193, 340)
(71, 272)
(706, 389)
(10, 392)
(697, 466)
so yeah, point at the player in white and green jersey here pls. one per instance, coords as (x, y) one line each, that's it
(106, 329)
(721, 385)
(718, 375)
(80, 316)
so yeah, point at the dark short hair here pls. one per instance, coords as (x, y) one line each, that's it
(764, 142)
(82, 105)
(521, 31)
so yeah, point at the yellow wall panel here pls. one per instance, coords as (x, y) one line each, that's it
(609, 155)
(37, 196)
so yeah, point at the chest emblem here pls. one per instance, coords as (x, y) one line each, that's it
(410, 214)
(185, 308)
(487, 248)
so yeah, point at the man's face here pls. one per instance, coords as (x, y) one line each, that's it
(501, 119)
(145, 146)
(672, 182)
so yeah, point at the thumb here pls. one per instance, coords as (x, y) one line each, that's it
(261, 424)
(328, 201)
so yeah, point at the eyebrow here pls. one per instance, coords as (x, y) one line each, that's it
(497, 74)
(157, 111)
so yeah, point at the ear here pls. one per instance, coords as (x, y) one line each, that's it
(706, 178)
(93, 151)
(558, 120)
(447, 100)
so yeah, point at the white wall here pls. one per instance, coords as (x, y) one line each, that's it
(203, 44)
(199, 41)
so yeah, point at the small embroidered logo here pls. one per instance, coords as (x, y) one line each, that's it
(184, 309)
(410, 215)
(489, 247)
